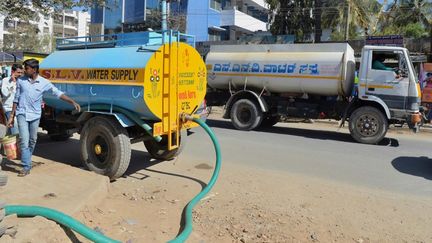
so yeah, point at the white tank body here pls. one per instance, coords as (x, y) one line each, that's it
(320, 69)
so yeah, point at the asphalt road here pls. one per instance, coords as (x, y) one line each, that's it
(401, 163)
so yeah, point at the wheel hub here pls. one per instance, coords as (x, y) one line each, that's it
(367, 125)
(98, 149)
(245, 115)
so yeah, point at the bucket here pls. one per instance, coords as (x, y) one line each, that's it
(10, 146)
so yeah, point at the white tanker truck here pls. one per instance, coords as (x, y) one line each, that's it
(259, 83)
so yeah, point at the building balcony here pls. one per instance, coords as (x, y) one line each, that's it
(66, 26)
(70, 13)
(258, 4)
(236, 18)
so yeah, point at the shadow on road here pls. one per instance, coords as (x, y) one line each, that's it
(141, 161)
(69, 152)
(417, 166)
(300, 132)
(66, 152)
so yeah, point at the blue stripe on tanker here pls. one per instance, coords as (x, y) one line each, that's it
(127, 97)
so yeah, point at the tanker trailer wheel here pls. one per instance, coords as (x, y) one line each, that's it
(368, 125)
(105, 147)
(246, 115)
(159, 150)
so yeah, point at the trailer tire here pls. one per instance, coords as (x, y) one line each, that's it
(105, 147)
(368, 125)
(246, 115)
(158, 150)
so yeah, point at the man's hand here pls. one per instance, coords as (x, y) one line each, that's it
(77, 106)
(10, 122)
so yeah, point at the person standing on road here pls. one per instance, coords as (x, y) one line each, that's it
(27, 109)
(8, 89)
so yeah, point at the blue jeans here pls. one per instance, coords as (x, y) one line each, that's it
(28, 136)
(12, 130)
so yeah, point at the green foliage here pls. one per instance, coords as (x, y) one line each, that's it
(26, 38)
(28, 9)
(292, 18)
(409, 17)
(411, 30)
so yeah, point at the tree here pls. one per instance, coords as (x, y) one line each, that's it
(28, 9)
(407, 17)
(292, 18)
(25, 37)
(356, 15)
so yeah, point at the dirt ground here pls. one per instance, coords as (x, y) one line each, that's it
(249, 205)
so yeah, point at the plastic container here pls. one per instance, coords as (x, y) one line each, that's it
(10, 146)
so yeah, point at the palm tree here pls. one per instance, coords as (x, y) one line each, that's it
(354, 14)
(404, 12)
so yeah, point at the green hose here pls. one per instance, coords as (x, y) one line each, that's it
(127, 113)
(63, 219)
(59, 217)
(182, 237)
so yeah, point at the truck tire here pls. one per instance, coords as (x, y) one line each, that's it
(368, 125)
(269, 121)
(105, 147)
(246, 115)
(158, 150)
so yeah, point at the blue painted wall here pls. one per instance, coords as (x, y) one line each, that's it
(199, 17)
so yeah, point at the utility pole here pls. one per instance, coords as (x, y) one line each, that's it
(317, 18)
(164, 15)
(347, 21)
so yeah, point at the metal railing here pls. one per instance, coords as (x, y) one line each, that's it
(148, 38)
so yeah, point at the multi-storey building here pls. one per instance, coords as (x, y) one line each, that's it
(205, 19)
(58, 24)
(71, 23)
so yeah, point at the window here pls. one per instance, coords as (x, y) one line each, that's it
(9, 25)
(385, 60)
(152, 4)
(393, 61)
(113, 17)
(134, 11)
(214, 35)
(216, 4)
(96, 16)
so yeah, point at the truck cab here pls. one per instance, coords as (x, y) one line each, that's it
(387, 77)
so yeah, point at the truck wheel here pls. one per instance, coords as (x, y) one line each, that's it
(269, 121)
(246, 115)
(105, 147)
(368, 125)
(159, 150)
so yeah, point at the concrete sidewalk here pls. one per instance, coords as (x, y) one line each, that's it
(50, 184)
